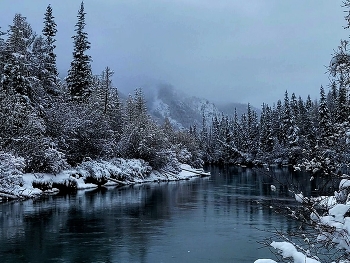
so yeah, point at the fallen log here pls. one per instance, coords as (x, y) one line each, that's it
(119, 182)
(201, 173)
(9, 196)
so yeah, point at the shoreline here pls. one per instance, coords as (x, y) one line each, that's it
(93, 175)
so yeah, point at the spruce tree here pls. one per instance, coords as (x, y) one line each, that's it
(236, 130)
(79, 75)
(2, 52)
(325, 125)
(17, 68)
(342, 107)
(266, 139)
(332, 98)
(286, 120)
(294, 107)
(50, 76)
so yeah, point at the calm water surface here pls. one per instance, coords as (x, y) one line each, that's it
(214, 219)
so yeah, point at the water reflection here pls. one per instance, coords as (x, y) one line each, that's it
(203, 220)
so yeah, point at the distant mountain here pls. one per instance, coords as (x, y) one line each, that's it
(184, 111)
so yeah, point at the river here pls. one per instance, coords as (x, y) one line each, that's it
(215, 219)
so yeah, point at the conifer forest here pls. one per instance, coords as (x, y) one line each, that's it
(55, 123)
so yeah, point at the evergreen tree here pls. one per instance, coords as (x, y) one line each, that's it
(79, 75)
(2, 52)
(129, 109)
(17, 69)
(107, 83)
(276, 123)
(140, 104)
(38, 57)
(332, 98)
(253, 132)
(342, 107)
(294, 108)
(236, 131)
(325, 125)
(50, 73)
(265, 136)
(286, 120)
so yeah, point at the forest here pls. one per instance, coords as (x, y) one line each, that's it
(58, 123)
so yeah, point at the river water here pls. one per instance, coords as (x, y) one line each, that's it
(215, 219)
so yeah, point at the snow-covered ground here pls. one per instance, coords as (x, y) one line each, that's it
(89, 174)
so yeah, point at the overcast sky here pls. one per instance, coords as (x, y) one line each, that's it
(223, 50)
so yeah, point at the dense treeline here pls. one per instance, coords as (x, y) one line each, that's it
(54, 124)
(290, 132)
(293, 131)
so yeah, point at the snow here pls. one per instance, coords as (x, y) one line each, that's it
(299, 197)
(265, 261)
(289, 251)
(325, 202)
(344, 183)
(163, 109)
(109, 173)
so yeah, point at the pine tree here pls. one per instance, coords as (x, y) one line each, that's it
(236, 131)
(342, 107)
(332, 98)
(294, 108)
(50, 73)
(129, 109)
(286, 120)
(107, 83)
(38, 58)
(140, 104)
(17, 69)
(325, 125)
(265, 136)
(79, 75)
(2, 52)
(276, 121)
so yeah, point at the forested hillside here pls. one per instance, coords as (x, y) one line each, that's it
(184, 111)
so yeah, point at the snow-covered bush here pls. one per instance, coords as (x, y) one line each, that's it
(98, 172)
(326, 227)
(172, 162)
(184, 156)
(49, 160)
(11, 170)
(95, 172)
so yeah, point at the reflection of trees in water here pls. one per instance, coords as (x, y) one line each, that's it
(107, 225)
(98, 226)
(238, 193)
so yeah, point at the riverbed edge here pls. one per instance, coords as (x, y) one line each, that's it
(131, 172)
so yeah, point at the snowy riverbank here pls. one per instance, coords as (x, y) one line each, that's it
(90, 174)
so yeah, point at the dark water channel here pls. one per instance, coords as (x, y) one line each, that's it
(214, 219)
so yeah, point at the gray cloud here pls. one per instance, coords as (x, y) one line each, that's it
(225, 50)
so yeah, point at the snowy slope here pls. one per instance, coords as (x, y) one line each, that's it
(184, 111)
